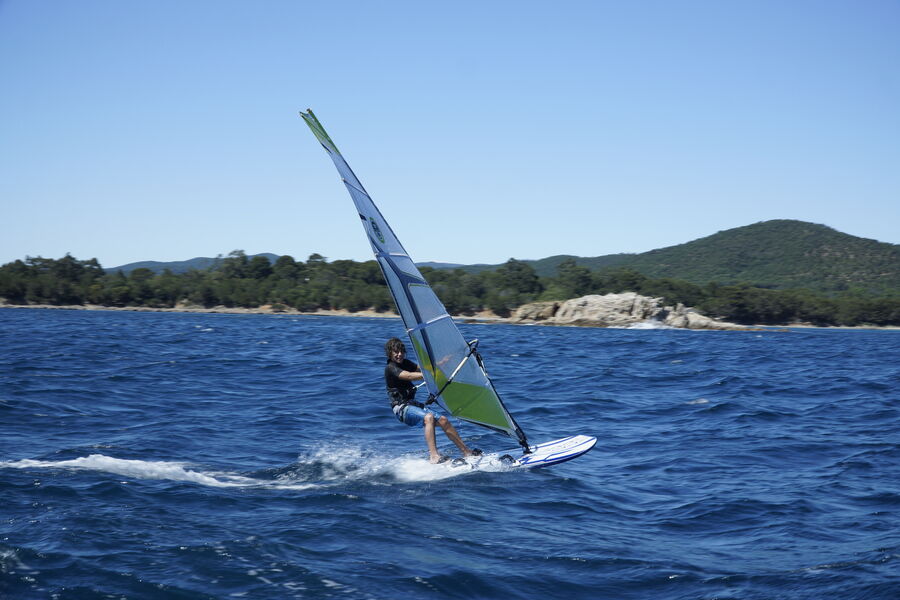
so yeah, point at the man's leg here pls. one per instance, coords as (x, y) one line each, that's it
(450, 430)
(434, 455)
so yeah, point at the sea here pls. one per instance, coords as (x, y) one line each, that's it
(200, 456)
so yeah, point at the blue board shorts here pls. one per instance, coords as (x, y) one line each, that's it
(413, 415)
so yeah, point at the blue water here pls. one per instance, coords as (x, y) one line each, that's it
(163, 455)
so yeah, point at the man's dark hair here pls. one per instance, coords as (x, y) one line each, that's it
(393, 345)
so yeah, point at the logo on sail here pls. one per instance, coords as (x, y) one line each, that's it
(376, 230)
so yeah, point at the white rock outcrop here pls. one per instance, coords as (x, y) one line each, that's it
(616, 310)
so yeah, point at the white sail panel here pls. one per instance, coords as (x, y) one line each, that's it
(406, 266)
(430, 307)
(404, 308)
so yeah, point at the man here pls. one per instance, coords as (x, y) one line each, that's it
(399, 374)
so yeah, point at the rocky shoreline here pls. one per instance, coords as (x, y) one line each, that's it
(617, 310)
(626, 310)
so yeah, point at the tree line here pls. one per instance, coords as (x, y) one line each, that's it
(240, 281)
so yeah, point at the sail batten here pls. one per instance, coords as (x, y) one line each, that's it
(428, 323)
(348, 184)
(461, 385)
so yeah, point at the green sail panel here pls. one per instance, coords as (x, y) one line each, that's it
(439, 346)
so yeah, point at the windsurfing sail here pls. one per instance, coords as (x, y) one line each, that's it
(453, 371)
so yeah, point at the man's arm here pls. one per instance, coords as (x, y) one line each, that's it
(410, 375)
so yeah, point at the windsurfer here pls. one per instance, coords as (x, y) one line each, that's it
(399, 374)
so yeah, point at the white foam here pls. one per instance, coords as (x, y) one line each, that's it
(137, 469)
(417, 469)
(350, 463)
(156, 470)
(333, 466)
(649, 325)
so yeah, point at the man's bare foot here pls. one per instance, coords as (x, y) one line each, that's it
(437, 459)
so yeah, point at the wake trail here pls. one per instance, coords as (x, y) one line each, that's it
(324, 467)
(137, 469)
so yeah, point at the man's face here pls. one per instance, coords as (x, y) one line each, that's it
(398, 355)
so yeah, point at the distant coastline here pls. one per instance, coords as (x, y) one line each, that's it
(484, 317)
(342, 285)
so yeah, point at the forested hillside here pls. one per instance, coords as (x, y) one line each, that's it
(183, 266)
(239, 281)
(780, 254)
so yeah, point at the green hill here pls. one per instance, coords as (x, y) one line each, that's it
(778, 254)
(201, 263)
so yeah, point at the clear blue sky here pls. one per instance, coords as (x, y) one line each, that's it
(166, 130)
